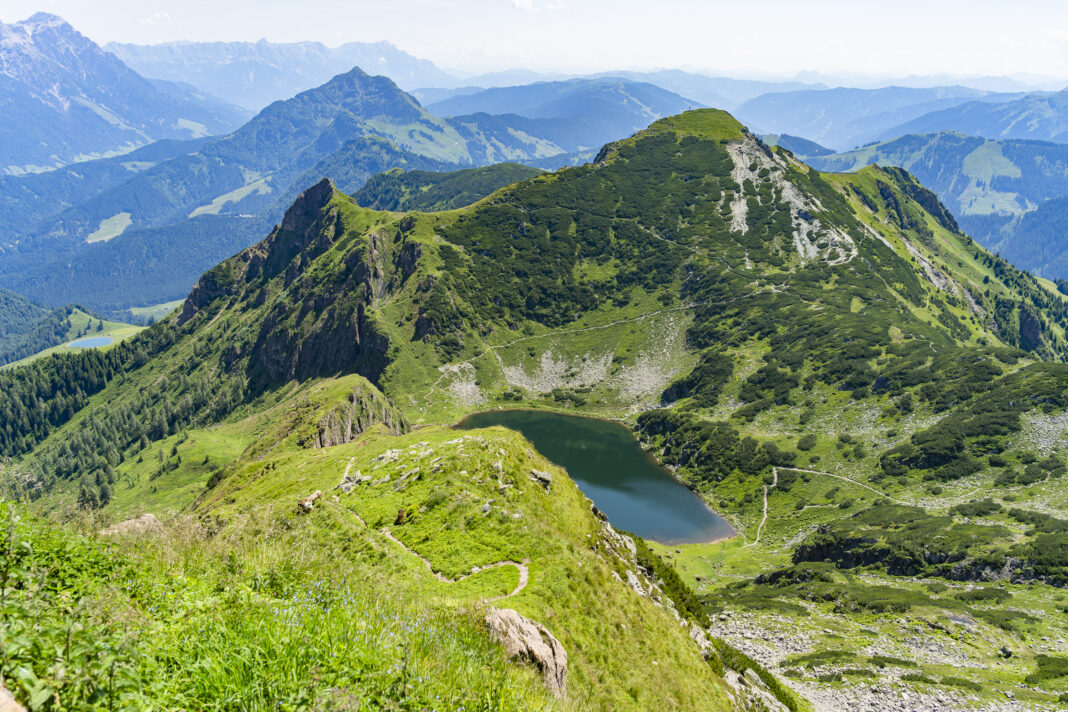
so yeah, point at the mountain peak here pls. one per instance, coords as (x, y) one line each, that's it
(309, 203)
(708, 124)
(42, 19)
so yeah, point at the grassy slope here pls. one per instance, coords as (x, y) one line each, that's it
(571, 589)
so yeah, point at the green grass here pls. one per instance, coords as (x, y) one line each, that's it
(259, 187)
(111, 228)
(155, 312)
(85, 326)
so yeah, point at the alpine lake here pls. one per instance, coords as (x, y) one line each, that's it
(626, 483)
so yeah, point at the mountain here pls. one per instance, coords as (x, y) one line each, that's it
(255, 74)
(119, 234)
(67, 100)
(128, 245)
(720, 92)
(1003, 193)
(428, 191)
(796, 145)
(874, 402)
(26, 199)
(573, 116)
(1039, 116)
(565, 99)
(844, 118)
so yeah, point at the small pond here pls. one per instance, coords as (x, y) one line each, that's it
(91, 342)
(624, 481)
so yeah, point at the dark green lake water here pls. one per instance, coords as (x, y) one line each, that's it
(624, 481)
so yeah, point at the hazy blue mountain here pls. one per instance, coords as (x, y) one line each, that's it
(720, 92)
(514, 77)
(64, 99)
(547, 118)
(28, 199)
(796, 145)
(1038, 238)
(1041, 116)
(1009, 195)
(432, 95)
(846, 118)
(254, 74)
(566, 99)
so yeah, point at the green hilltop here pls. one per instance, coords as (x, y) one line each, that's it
(825, 358)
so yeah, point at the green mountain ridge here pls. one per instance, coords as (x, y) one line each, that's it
(1004, 193)
(807, 351)
(427, 191)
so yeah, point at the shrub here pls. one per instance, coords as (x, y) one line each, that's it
(963, 683)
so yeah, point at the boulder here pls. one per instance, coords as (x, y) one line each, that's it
(542, 477)
(524, 639)
(145, 524)
(8, 703)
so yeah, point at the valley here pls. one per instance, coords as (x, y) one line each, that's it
(897, 501)
(569, 371)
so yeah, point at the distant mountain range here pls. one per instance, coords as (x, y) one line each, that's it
(575, 115)
(1009, 195)
(843, 118)
(1040, 116)
(139, 229)
(254, 74)
(64, 99)
(721, 92)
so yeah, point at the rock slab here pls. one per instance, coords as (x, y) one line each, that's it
(524, 639)
(8, 703)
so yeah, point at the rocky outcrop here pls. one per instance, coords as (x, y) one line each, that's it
(302, 236)
(346, 420)
(145, 524)
(524, 639)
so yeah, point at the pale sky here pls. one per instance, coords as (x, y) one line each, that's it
(750, 37)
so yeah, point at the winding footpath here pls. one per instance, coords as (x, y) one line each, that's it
(524, 570)
(775, 481)
(764, 519)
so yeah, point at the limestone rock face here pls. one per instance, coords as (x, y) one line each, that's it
(528, 640)
(145, 524)
(347, 419)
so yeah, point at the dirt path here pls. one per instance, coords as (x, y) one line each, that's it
(524, 571)
(764, 519)
(849, 480)
(357, 516)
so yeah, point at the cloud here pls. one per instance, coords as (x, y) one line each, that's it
(537, 5)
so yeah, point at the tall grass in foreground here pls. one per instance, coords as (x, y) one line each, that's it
(252, 622)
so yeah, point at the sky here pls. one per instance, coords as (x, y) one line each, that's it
(739, 37)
